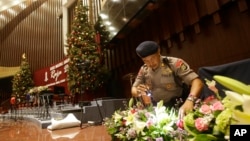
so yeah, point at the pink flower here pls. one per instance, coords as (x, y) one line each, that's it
(205, 109)
(149, 123)
(209, 99)
(211, 86)
(217, 106)
(159, 139)
(179, 124)
(201, 124)
(133, 111)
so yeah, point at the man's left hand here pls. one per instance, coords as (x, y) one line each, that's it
(185, 108)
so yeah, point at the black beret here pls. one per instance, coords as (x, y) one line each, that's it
(146, 48)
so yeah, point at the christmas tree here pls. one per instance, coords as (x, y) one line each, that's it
(102, 37)
(22, 80)
(85, 70)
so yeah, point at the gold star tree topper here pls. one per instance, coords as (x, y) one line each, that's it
(24, 56)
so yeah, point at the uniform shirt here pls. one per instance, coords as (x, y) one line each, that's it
(161, 81)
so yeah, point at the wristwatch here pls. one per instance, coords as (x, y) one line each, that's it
(192, 98)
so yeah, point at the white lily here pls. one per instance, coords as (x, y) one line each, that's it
(244, 100)
(246, 103)
(139, 126)
(241, 117)
(234, 97)
(239, 99)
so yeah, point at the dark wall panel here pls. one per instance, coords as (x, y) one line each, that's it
(215, 43)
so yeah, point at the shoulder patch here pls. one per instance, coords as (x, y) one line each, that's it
(183, 66)
(178, 63)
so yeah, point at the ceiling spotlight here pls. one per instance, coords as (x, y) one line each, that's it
(124, 19)
(104, 16)
(116, 0)
(107, 23)
(111, 28)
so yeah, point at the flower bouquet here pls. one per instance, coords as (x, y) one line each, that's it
(209, 121)
(237, 99)
(33, 94)
(140, 123)
(211, 118)
(38, 89)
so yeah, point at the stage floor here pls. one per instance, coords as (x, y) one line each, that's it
(27, 130)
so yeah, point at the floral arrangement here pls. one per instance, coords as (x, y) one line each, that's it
(38, 89)
(140, 123)
(209, 121)
(237, 99)
(211, 118)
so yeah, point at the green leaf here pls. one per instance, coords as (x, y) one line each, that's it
(191, 130)
(131, 102)
(205, 137)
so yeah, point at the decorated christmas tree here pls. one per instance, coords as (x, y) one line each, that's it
(85, 70)
(22, 80)
(102, 37)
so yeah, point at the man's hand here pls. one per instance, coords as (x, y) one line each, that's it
(142, 88)
(188, 106)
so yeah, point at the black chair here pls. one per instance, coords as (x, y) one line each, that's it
(60, 91)
(238, 70)
(46, 102)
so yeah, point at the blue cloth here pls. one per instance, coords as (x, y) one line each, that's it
(238, 70)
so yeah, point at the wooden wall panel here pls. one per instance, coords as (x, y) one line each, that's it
(242, 4)
(35, 31)
(156, 31)
(175, 16)
(116, 57)
(212, 6)
(190, 13)
(202, 9)
(214, 44)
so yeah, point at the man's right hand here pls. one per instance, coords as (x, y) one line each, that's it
(142, 88)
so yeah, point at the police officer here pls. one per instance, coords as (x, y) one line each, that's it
(158, 78)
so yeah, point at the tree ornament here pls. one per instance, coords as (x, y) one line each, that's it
(13, 100)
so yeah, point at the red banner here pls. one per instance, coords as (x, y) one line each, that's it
(54, 75)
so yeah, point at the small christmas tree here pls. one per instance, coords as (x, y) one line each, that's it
(85, 70)
(22, 80)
